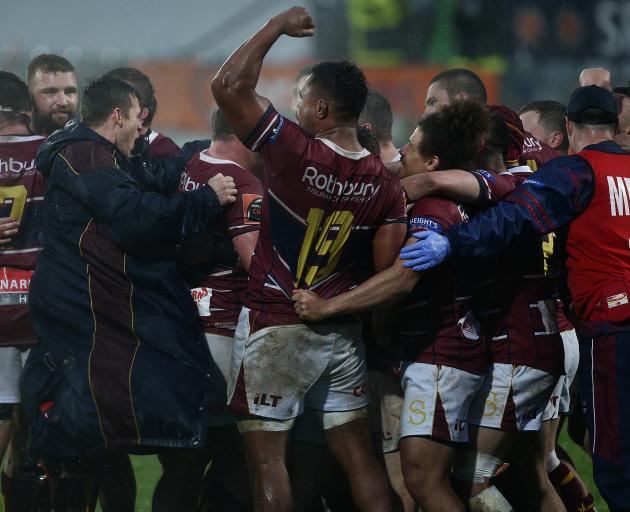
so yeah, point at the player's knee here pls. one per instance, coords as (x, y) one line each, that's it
(6, 412)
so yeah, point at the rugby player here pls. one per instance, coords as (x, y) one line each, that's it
(584, 192)
(454, 84)
(377, 117)
(217, 287)
(52, 83)
(21, 195)
(546, 133)
(327, 203)
(444, 356)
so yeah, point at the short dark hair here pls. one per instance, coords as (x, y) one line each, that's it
(220, 127)
(141, 83)
(48, 63)
(455, 81)
(552, 117)
(15, 100)
(345, 83)
(102, 95)
(378, 112)
(455, 134)
(368, 140)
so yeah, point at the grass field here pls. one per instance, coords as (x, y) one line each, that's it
(147, 471)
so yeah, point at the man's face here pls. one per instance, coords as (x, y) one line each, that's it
(531, 124)
(412, 161)
(297, 89)
(437, 97)
(55, 98)
(306, 111)
(130, 129)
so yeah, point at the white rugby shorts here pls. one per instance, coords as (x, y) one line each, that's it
(512, 398)
(560, 401)
(386, 403)
(221, 350)
(12, 360)
(279, 370)
(437, 400)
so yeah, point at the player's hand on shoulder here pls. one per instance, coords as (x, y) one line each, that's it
(8, 228)
(430, 250)
(296, 22)
(308, 305)
(224, 187)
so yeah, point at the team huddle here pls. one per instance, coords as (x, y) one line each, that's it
(301, 316)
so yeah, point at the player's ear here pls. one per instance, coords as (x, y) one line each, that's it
(322, 109)
(144, 113)
(556, 139)
(433, 163)
(117, 116)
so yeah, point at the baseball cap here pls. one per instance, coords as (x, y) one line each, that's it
(592, 105)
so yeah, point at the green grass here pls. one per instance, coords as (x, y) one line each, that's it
(147, 470)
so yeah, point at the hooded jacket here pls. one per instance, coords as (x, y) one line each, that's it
(121, 362)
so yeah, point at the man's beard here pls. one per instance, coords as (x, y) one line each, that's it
(46, 124)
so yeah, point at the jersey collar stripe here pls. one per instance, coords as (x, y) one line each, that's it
(354, 155)
(212, 160)
(19, 251)
(153, 136)
(19, 138)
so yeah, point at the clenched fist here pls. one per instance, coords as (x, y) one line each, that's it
(224, 187)
(296, 22)
(309, 306)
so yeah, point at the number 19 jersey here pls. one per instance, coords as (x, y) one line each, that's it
(322, 206)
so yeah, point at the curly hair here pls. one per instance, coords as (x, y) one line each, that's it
(345, 83)
(455, 134)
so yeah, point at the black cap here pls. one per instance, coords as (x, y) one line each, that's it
(592, 105)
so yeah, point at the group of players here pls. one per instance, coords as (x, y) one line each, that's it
(357, 380)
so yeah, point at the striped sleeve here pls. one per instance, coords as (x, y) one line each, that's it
(266, 130)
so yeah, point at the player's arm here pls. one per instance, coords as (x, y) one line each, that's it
(245, 245)
(387, 287)
(553, 197)
(234, 86)
(136, 217)
(478, 188)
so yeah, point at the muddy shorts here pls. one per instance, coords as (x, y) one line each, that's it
(277, 371)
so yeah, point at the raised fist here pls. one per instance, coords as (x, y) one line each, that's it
(296, 22)
(595, 76)
(224, 187)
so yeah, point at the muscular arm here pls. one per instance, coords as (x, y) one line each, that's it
(456, 185)
(388, 240)
(387, 287)
(234, 85)
(245, 245)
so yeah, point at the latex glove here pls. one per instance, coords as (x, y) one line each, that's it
(430, 250)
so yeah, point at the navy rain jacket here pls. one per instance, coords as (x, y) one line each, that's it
(121, 360)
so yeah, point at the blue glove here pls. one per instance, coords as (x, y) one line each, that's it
(430, 250)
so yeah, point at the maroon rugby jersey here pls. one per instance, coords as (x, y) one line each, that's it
(322, 206)
(219, 295)
(160, 145)
(435, 323)
(516, 304)
(21, 197)
(536, 153)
